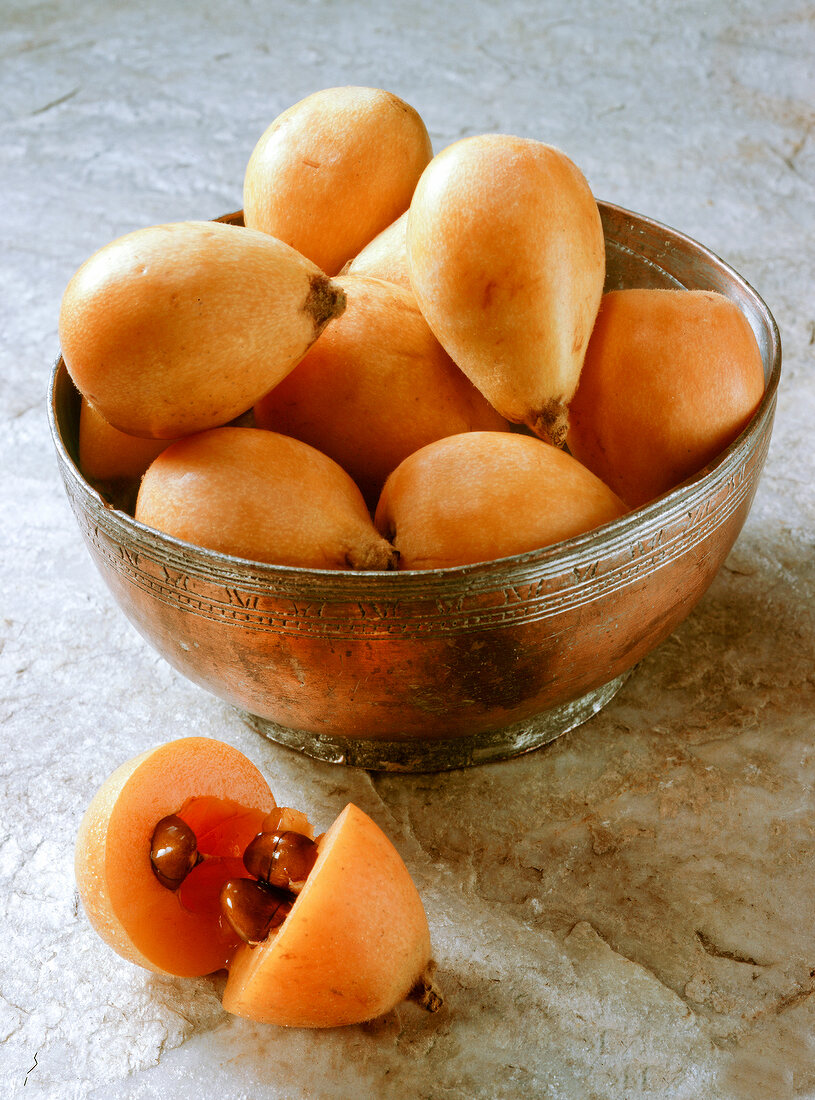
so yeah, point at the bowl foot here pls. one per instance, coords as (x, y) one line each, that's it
(442, 754)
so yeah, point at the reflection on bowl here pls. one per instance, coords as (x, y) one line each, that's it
(442, 668)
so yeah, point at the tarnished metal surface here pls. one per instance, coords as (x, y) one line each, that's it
(501, 656)
(416, 754)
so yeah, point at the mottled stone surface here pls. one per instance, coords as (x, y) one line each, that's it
(628, 913)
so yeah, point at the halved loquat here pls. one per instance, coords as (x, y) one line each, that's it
(217, 791)
(355, 944)
(185, 865)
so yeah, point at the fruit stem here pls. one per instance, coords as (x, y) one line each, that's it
(425, 993)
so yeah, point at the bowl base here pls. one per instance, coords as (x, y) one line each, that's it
(442, 754)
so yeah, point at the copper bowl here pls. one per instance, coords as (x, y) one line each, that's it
(443, 668)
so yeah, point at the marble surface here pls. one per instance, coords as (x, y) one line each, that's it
(628, 913)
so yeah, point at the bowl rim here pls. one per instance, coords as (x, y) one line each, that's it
(606, 541)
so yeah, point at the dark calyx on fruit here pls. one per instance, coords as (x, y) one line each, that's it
(324, 301)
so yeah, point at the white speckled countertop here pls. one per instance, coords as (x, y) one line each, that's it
(628, 913)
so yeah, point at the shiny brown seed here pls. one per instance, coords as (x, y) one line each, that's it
(173, 851)
(280, 859)
(253, 910)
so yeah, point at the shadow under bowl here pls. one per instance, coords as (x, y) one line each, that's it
(437, 669)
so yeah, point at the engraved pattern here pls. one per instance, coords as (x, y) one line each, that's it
(189, 586)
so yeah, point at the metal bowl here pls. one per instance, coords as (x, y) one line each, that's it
(442, 668)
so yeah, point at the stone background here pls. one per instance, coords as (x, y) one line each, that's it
(628, 913)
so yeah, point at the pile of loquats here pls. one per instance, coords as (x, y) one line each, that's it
(399, 360)
(382, 367)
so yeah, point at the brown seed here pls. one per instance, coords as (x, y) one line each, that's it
(280, 859)
(253, 910)
(173, 851)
